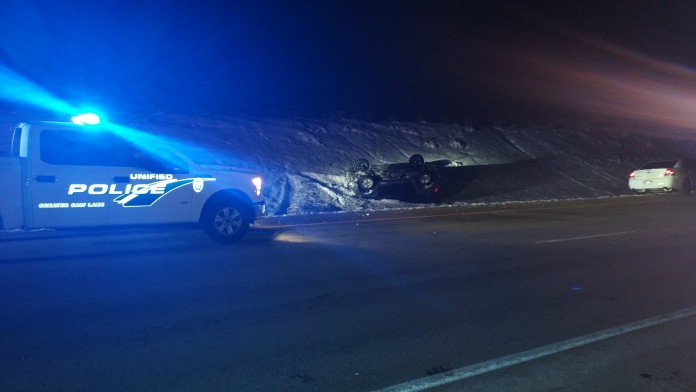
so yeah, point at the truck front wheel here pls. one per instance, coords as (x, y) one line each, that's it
(225, 221)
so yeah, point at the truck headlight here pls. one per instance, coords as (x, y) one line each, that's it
(257, 181)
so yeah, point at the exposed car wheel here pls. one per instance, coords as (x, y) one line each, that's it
(367, 184)
(641, 191)
(687, 187)
(225, 221)
(361, 165)
(416, 160)
(425, 180)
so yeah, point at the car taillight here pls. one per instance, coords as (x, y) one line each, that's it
(670, 172)
(632, 175)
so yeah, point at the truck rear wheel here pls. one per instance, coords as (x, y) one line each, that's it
(225, 221)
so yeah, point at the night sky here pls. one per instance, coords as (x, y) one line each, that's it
(384, 59)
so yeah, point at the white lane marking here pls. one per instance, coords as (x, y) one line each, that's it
(526, 356)
(587, 237)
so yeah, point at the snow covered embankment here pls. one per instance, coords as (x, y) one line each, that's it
(304, 161)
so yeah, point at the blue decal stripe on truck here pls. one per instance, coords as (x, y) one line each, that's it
(155, 191)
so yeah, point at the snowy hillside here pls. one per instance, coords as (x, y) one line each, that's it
(304, 161)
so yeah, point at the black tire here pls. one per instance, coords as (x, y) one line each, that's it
(687, 187)
(361, 165)
(225, 221)
(425, 180)
(367, 184)
(416, 160)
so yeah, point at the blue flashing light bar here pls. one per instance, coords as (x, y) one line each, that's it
(86, 119)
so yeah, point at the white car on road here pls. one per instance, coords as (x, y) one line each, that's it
(664, 176)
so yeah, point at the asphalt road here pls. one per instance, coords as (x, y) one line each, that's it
(361, 302)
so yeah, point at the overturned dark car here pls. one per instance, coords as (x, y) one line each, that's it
(373, 181)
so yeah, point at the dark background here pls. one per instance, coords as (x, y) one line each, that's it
(440, 60)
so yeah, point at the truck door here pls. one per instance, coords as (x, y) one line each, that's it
(67, 178)
(154, 184)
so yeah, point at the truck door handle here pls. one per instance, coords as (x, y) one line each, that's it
(45, 178)
(121, 179)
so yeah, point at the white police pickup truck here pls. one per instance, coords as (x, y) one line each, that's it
(69, 175)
